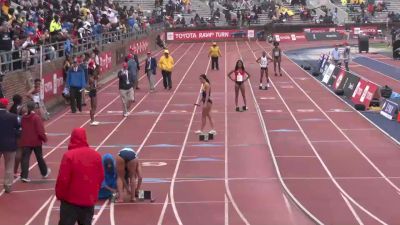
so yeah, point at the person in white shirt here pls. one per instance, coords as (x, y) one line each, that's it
(263, 61)
(336, 55)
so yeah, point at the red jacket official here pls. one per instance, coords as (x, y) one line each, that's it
(81, 172)
(33, 133)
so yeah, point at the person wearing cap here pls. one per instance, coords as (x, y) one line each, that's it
(133, 69)
(150, 70)
(166, 64)
(79, 180)
(8, 142)
(214, 53)
(346, 57)
(126, 90)
(129, 172)
(76, 81)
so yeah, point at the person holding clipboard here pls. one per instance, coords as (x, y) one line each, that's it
(240, 76)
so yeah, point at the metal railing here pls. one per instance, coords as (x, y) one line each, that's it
(23, 59)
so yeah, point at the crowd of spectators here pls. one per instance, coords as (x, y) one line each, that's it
(26, 24)
(363, 10)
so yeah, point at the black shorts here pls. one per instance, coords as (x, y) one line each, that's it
(127, 155)
(93, 93)
(239, 82)
(264, 68)
(204, 101)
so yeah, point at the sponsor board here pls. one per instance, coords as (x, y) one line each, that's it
(334, 75)
(389, 109)
(364, 92)
(350, 84)
(209, 35)
(105, 61)
(289, 37)
(328, 73)
(324, 36)
(339, 82)
(139, 47)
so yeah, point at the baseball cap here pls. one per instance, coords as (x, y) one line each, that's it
(214, 43)
(166, 51)
(4, 102)
(129, 56)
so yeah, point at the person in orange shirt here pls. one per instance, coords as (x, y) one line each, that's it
(214, 53)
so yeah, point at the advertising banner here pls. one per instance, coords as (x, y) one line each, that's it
(364, 92)
(389, 109)
(209, 35)
(105, 61)
(53, 85)
(139, 46)
(339, 82)
(324, 36)
(289, 37)
(328, 73)
(350, 84)
(334, 75)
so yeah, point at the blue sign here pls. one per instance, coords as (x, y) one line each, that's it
(389, 109)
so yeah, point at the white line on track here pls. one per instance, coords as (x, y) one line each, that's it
(154, 124)
(39, 211)
(352, 210)
(226, 205)
(67, 138)
(172, 185)
(112, 208)
(97, 216)
(289, 207)
(267, 139)
(227, 188)
(97, 148)
(376, 71)
(314, 149)
(164, 208)
(48, 213)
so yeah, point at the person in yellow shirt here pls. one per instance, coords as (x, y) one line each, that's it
(214, 53)
(166, 65)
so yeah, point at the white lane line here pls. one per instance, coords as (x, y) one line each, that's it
(155, 122)
(276, 166)
(226, 205)
(352, 210)
(316, 152)
(227, 187)
(164, 208)
(67, 138)
(97, 216)
(39, 211)
(172, 185)
(112, 213)
(48, 214)
(289, 208)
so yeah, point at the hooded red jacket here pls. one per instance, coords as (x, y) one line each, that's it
(81, 172)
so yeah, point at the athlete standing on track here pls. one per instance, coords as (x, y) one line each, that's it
(263, 61)
(214, 53)
(129, 173)
(92, 90)
(277, 56)
(207, 104)
(239, 79)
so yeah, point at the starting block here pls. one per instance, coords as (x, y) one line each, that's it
(206, 137)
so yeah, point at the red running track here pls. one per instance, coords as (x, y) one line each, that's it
(298, 156)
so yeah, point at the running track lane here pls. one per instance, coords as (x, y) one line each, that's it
(58, 127)
(383, 59)
(13, 201)
(161, 144)
(366, 169)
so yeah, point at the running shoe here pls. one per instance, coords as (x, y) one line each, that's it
(212, 132)
(47, 174)
(125, 114)
(16, 175)
(237, 109)
(268, 85)
(94, 123)
(7, 189)
(245, 108)
(260, 87)
(198, 132)
(25, 180)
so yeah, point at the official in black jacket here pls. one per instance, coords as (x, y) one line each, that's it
(150, 70)
(126, 82)
(8, 142)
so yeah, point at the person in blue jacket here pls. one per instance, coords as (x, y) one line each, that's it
(109, 185)
(76, 82)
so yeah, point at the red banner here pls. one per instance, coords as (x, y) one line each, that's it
(53, 85)
(209, 35)
(319, 29)
(289, 37)
(364, 92)
(139, 47)
(339, 80)
(105, 61)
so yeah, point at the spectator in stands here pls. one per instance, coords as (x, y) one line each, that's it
(32, 137)
(77, 193)
(109, 185)
(76, 81)
(214, 53)
(8, 142)
(55, 28)
(129, 173)
(126, 90)
(5, 45)
(166, 64)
